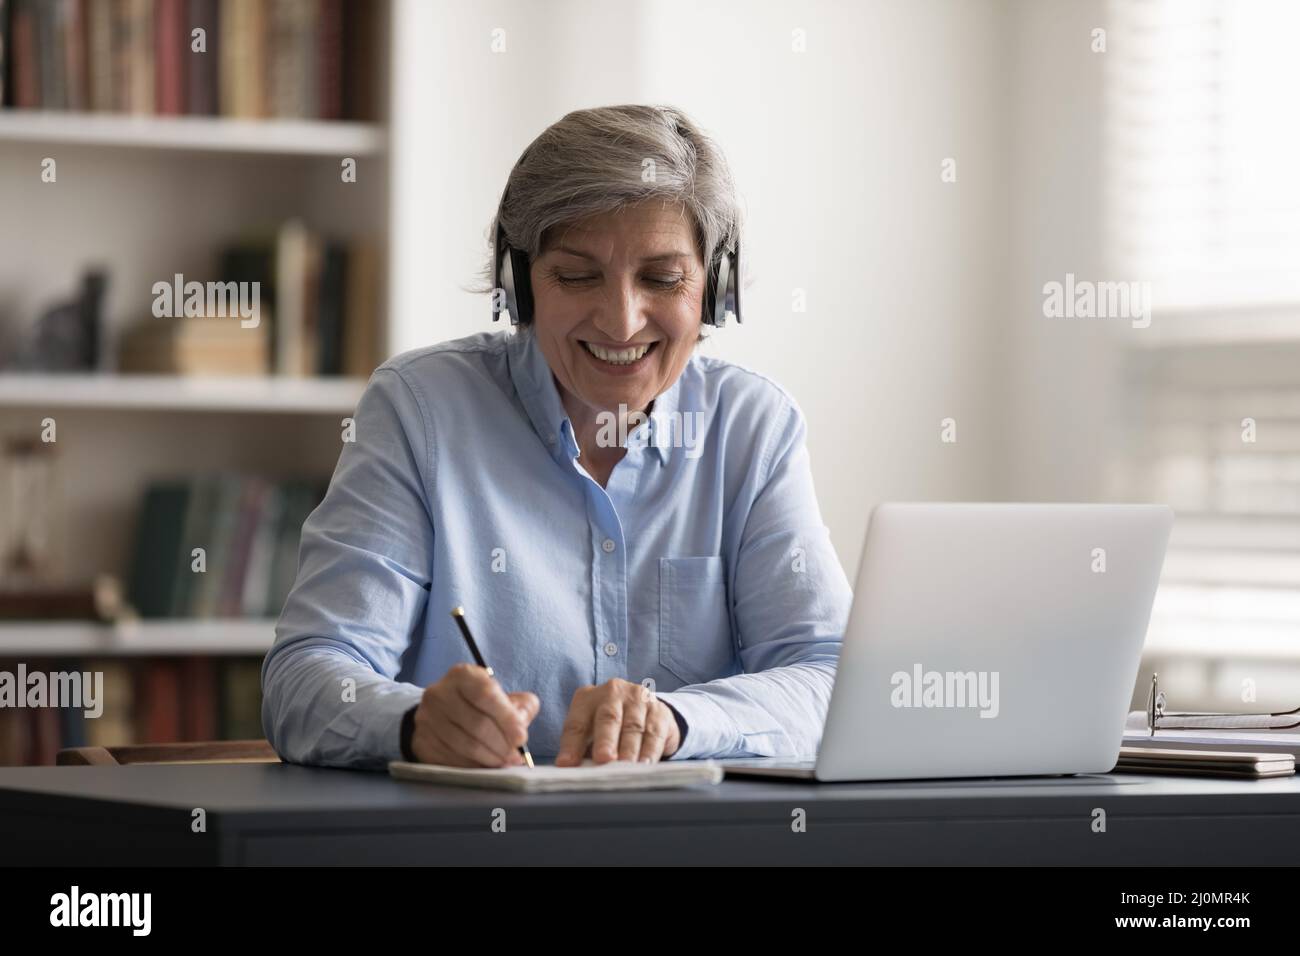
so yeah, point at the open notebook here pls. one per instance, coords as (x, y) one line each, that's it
(615, 775)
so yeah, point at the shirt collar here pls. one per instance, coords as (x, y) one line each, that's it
(535, 384)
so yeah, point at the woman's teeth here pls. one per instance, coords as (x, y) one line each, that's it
(618, 356)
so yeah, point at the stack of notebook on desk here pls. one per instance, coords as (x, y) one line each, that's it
(1245, 749)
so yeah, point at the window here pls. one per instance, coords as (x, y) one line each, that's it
(1203, 201)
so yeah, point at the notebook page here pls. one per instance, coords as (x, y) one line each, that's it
(615, 775)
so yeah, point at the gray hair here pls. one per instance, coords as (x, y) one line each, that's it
(599, 160)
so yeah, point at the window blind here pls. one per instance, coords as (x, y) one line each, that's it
(1202, 140)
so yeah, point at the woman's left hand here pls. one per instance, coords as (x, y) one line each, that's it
(618, 720)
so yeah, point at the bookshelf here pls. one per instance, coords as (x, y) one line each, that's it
(232, 637)
(143, 196)
(195, 133)
(178, 393)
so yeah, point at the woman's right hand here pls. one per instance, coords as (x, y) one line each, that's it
(467, 720)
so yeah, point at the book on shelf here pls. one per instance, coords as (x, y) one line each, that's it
(240, 704)
(300, 59)
(297, 277)
(200, 73)
(158, 690)
(156, 701)
(361, 282)
(4, 35)
(48, 602)
(289, 29)
(249, 528)
(317, 313)
(323, 295)
(135, 51)
(241, 76)
(171, 41)
(196, 345)
(101, 65)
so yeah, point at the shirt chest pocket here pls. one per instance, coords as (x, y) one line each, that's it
(695, 640)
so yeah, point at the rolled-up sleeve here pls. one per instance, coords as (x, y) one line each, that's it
(329, 695)
(790, 602)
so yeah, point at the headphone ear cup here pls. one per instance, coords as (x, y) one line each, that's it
(722, 290)
(500, 281)
(711, 296)
(731, 294)
(521, 271)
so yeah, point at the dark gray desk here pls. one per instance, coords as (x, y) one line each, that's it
(282, 814)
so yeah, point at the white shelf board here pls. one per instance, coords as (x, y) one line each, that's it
(179, 393)
(195, 133)
(182, 638)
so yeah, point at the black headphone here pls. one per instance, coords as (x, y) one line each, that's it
(510, 274)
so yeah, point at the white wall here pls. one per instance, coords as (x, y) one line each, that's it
(837, 154)
(1060, 386)
(460, 117)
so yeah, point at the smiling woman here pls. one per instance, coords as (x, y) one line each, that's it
(665, 592)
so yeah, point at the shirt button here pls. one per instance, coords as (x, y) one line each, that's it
(608, 545)
(611, 649)
(550, 439)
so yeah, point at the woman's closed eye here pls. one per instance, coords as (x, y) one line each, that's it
(663, 282)
(666, 281)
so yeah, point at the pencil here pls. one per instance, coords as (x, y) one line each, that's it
(459, 614)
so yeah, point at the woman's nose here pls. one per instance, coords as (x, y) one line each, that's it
(623, 312)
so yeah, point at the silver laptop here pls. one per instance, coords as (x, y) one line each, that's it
(988, 640)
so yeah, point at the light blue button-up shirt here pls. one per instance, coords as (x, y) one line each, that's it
(703, 565)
